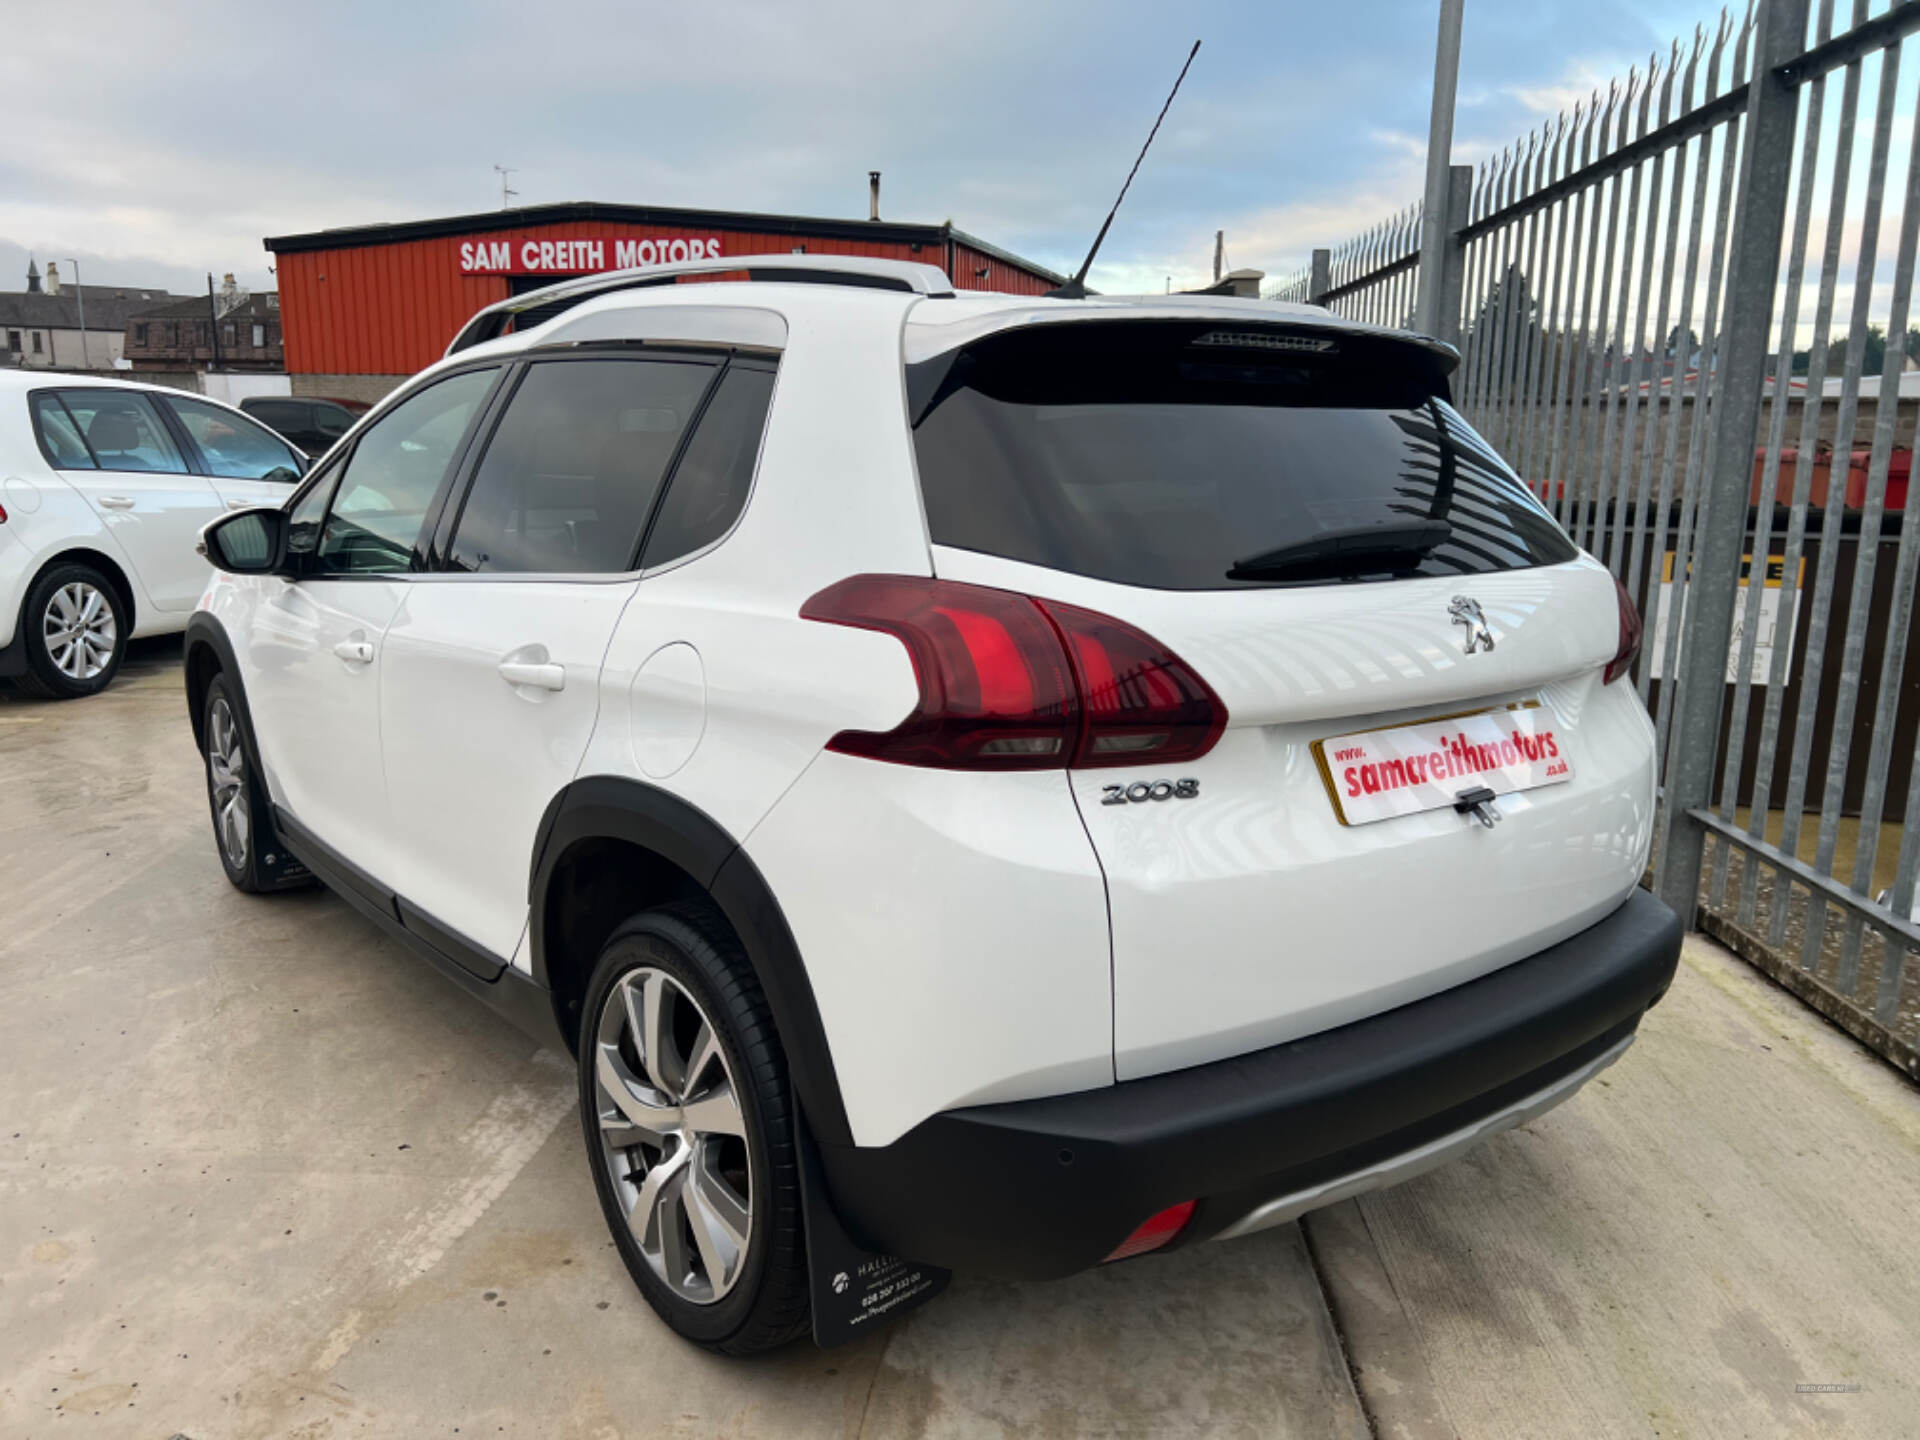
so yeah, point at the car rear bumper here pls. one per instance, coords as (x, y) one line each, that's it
(1037, 1189)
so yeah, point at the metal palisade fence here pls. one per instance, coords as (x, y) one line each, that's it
(1685, 316)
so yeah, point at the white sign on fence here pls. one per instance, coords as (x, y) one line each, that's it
(1773, 630)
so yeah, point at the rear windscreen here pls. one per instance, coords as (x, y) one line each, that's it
(1172, 454)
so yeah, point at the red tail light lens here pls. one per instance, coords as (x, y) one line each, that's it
(1008, 682)
(1140, 701)
(995, 689)
(1630, 629)
(1155, 1232)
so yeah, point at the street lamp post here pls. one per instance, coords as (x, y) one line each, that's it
(80, 292)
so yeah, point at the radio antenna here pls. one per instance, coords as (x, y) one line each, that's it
(1076, 288)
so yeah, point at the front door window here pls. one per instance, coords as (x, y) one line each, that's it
(393, 476)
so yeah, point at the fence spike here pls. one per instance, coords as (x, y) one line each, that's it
(1740, 46)
(1693, 70)
(1720, 40)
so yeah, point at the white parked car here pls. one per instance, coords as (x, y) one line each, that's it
(997, 784)
(104, 489)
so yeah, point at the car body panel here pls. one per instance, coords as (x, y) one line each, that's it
(954, 927)
(466, 795)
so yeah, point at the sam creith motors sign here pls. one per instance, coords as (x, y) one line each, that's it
(580, 257)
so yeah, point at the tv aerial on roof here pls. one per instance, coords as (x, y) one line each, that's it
(1076, 288)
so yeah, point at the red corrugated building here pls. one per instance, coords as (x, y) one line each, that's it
(363, 308)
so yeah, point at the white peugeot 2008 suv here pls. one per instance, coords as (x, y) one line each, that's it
(105, 487)
(978, 782)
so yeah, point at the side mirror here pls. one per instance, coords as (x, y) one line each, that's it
(247, 542)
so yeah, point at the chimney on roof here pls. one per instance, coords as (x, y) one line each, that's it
(229, 293)
(873, 195)
(33, 277)
(53, 277)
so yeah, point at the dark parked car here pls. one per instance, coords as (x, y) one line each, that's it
(310, 422)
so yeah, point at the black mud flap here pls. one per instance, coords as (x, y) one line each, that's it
(280, 867)
(854, 1290)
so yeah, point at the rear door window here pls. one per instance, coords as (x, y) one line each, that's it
(710, 484)
(124, 431)
(1185, 456)
(572, 472)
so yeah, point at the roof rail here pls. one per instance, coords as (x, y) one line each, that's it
(858, 270)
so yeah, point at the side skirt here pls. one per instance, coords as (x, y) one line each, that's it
(484, 976)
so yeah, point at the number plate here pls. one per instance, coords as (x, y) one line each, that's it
(1404, 769)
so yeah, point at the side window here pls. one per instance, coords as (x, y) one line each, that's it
(123, 430)
(331, 421)
(573, 470)
(233, 448)
(59, 436)
(383, 494)
(710, 485)
(286, 416)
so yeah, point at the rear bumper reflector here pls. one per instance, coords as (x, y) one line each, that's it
(1155, 1231)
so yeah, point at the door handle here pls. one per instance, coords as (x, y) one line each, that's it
(116, 502)
(357, 652)
(541, 676)
(238, 504)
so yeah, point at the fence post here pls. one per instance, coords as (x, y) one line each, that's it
(1453, 255)
(1435, 232)
(1321, 279)
(1760, 211)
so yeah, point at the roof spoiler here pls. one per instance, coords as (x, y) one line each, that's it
(857, 270)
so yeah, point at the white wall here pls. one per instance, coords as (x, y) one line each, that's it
(235, 387)
(102, 349)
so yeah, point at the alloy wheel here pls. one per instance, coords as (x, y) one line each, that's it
(227, 773)
(79, 630)
(672, 1134)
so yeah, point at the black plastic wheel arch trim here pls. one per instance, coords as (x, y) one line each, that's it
(1038, 1189)
(617, 808)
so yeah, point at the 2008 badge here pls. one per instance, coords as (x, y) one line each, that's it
(1142, 790)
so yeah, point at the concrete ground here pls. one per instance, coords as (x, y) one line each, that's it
(261, 1174)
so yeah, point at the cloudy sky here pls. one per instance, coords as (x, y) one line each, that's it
(158, 142)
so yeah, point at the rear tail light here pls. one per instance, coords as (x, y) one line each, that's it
(1139, 700)
(1629, 635)
(996, 692)
(1008, 682)
(1154, 1232)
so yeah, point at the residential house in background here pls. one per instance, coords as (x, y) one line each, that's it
(231, 330)
(40, 326)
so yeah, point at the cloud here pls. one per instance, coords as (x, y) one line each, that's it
(208, 124)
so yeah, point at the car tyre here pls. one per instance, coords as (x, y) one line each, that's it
(235, 797)
(74, 627)
(708, 1221)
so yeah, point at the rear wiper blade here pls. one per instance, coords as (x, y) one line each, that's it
(1352, 548)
